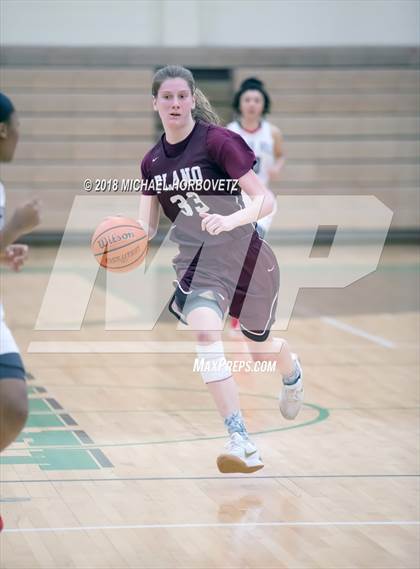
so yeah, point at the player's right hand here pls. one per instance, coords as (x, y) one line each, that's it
(27, 217)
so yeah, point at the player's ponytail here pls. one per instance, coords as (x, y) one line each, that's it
(203, 109)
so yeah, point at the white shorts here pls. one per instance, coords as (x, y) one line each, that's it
(11, 365)
(7, 342)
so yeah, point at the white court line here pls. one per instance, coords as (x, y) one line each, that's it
(130, 347)
(358, 332)
(218, 525)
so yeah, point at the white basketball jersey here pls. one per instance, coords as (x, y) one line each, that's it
(7, 342)
(262, 144)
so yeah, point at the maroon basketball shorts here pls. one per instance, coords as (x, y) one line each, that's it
(240, 278)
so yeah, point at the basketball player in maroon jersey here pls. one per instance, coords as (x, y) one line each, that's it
(223, 266)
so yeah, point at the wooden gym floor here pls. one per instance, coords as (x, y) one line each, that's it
(116, 467)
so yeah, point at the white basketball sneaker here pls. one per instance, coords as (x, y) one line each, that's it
(241, 456)
(291, 396)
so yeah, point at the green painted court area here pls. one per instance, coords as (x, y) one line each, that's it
(40, 415)
(53, 459)
(54, 433)
(48, 442)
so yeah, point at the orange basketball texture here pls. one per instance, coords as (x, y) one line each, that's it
(119, 244)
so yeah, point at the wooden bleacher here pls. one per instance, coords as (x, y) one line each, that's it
(346, 130)
(76, 123)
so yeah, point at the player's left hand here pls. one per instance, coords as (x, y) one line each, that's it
(16, 255)
(214, 223)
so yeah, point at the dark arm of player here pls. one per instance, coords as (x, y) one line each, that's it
(24, 219)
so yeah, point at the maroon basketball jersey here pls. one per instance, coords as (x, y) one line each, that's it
(198, 175)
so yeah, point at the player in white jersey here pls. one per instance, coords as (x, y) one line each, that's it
(252, 103)
(13, 393)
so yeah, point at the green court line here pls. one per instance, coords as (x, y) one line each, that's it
(219, 477)
(63, 450)
(169, 269)
(170, 411)
(322, 415)
(214, 410)
(101, 282)
(412, 408)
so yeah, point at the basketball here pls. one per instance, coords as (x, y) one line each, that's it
(119, 244)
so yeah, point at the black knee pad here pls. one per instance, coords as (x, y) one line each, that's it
(256, 335)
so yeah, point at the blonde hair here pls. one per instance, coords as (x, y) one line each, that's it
(203, 109)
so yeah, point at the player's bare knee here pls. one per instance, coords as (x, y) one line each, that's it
(271, 348)
(13, 402)
(207, 337)
(13, 418)
(211, 362)
(16, 414)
